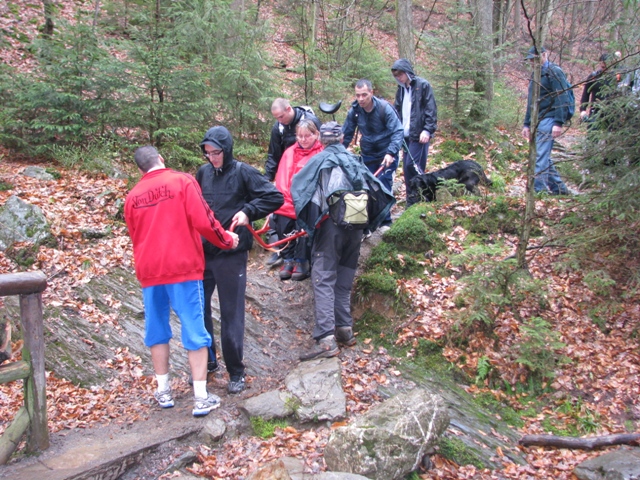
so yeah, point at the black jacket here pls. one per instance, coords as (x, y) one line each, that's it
(282, 137)
(233, 187)
(599, 86)
(424, 111)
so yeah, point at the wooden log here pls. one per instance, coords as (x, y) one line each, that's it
(588, 443)
(22, 283)
(35, 393)
(11, 437)
(14, 371)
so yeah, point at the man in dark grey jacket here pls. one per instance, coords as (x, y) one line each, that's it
(240, 194)
(335, 250)
(418, 113)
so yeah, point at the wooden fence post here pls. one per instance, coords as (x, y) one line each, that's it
(35, 388)
(29, 286)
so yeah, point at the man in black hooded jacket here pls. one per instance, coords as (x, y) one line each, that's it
(418, 113)
(240, 194)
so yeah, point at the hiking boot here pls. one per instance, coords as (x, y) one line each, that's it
(274, 260)
(287, 270)
(324, 348)
(165, 399)
(300, 271)
(212, 366)
(202, 406)
(236, 385)
(344, 336)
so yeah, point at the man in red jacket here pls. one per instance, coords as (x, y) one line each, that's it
(166, 214)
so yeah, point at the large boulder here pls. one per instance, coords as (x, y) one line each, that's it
(21, 222)
(389, 441)
(622, 464)
(270, 405)
(313, 393)
(317, 386)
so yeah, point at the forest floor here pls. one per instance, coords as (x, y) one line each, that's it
(599, 384)
(596, 392)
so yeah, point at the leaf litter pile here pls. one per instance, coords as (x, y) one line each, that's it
(601, 374)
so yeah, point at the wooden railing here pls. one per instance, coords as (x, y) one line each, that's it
(32, 417)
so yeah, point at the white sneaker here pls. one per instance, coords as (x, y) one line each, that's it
(165, 399)
(202, 406)
(384, 228)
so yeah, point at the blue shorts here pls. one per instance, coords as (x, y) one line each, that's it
(187, 300)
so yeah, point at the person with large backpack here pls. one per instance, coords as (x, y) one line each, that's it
(555, 108)
(321, 185)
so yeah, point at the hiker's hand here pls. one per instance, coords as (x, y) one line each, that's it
(526, 133)
(234, 239)
(388, 160)
(556, 131)
(584, 115)
(240, 219)
(425, 137)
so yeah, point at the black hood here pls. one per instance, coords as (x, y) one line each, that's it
(219, 137)
(404, 65)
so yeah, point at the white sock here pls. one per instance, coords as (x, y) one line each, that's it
(200, 389)
(163, 382)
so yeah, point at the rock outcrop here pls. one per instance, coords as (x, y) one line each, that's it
(389, 441)
(21, 222)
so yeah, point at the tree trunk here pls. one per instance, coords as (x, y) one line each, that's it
(483, 85)
(537, 26)
(49, 8)
(404, 20)
(96, 14)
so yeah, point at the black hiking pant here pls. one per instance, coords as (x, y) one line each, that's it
(227, 272)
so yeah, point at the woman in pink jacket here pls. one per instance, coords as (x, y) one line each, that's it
(296, 254)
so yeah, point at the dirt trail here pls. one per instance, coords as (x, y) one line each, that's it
(279, 319)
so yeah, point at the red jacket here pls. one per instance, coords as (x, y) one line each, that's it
(293, 159)
(166, 215)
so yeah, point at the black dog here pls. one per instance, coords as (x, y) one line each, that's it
(466, 172)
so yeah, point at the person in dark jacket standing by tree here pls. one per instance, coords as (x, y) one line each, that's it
(600, 85)
(381, 134)
(239, 194)
(418, 113)
(283, 135)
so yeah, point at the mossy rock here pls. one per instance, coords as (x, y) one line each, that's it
(387, 256)
(459, 452)
(417, 230)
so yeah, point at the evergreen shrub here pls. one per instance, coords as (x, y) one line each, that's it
(539, 350)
